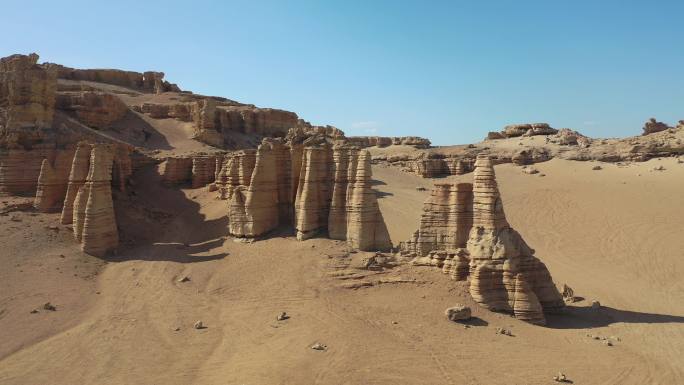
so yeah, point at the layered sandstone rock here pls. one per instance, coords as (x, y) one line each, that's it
(309, 186)
(94, 109)
(464, 231)
(177, 170)
(77, 177)
(314, 192)
(150, 82)
(527, 129)
(203, 170)
(384, 141)
(354, 212)
(653, 126)
(446, 220)
(27, 93)
(94, 221)
(49, 194)
(500, 258)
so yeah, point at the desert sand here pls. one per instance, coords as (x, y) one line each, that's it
(614, 235)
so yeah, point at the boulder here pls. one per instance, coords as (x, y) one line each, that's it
(458, 313)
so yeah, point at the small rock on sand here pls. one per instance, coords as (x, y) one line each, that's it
(184, 278)
(595, 168)
(595, 305)
(199, 325)
(318, 346)
(49, 306)
(458, 313)
(282, 316)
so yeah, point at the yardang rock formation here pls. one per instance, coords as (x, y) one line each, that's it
(503, 271)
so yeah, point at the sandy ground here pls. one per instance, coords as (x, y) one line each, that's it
(614, 235)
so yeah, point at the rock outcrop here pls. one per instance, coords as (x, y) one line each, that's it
(527, 129)
(504, 273)
(94, 109)
(446, 220)
(653, 126)
(311, 186)
(48, 195)
(384, 141)
(27, 93)
(93, 213)
(177, 170)
(77, 177)
(149, 82)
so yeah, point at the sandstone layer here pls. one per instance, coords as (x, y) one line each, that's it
(465, 225)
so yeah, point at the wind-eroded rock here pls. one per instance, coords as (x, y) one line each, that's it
(94, 109)
(93, 213)
(504, 274)
(314, 188)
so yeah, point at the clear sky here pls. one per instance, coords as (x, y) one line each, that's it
(450, 71)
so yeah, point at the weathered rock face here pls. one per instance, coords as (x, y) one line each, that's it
(499, 257)
(654, 126)
(384, 141)
(77, 177)
(151, 82)
(464, 231)
(527, 129)
(313, 188)
(177, 170)
(49, 194)
(94, 221)
(94, 109)
(568, 137)
(446, 220)
(27, 94)
(354, 212)
(203, 170)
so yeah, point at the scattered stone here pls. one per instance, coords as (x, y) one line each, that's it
(458, 313)
(199, 325)
(34, 311)
(595, 305)
(530, 170)
(421, 188)
(395, 322)
(50, 307)
(176, 329)
(282, 316)
(318, 346)
(184, 278)
(505, 332)
(560, 377)
(597, 168)
(607, 343)
(659, 168)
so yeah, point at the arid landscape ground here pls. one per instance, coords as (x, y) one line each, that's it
(604, 216)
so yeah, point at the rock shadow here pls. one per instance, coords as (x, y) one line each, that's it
(575, 317)
(162, 223)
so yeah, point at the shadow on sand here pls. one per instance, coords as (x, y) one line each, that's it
(575, 317)
(164, 223)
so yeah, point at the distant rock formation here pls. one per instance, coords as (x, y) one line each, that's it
(50, 191)
(150, 81)
(384, 141)
(527, 129)
(653, 126)
(311, 186)
(465, 223)
(568, 137)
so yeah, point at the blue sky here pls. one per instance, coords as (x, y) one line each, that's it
(450, 71)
